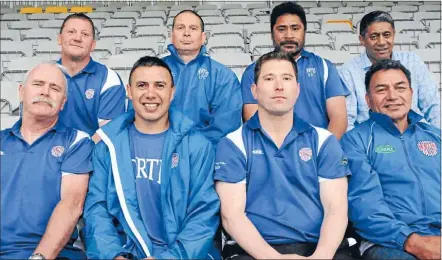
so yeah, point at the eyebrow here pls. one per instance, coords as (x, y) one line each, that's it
(155, 82)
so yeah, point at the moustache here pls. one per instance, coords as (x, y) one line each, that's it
(48, 101)
(289, 42)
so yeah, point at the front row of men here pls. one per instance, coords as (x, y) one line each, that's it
(280, 183)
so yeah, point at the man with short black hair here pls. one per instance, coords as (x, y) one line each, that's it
(152, 192)
(207, 91)
(282, 182)
(322, 98)
(394, 157)
(97, 94)
(44, 175)
(376, 34)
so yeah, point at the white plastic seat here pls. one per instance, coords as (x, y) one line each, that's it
(350, 10)
(259, 28)
(398, 16)
(104, 48)
(181, 7)
(100, 17)
(209, 12)
(154, 14)
(226, 29)
(404, 8)
(106, 9)
(9, 17)
(126, 15)
(418, 3)
(159, 33)
(13, 50)
(169, 22)
(317, 42)
(48, 51)
(225, 7)
(370, 9)
(236, 12)
(51, 24)
(381, 3)
(146, 22)
(115, 33)
(313, 23)
(254, 6)
(430, 7)
(17, 68)
(157, 8)
(261, 12)
(132, 8)
(413, 29)
(435, 26)
(142, 4)
(122, 64)
(426, 17)
(10, 35)
(241, 20)
(430, 41)
(213, 20)
(357, 4)
(118, 23)
(62, 16)
(41, 17)
(22, 25)
(431, 58)
(330, 4)
(237, 62)
(333, 29)
(226, 44)
(9, 98)
(140, 46)
(260, 44)
(349, 43)
(205, 7)
(321, 10)
(119, 5)
(308, 4)
(40, 35)
(338, 58)
(403, 42)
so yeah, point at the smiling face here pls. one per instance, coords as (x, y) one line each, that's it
(151, 92)
(289, 34)
(187, 35)
(76, 39)
(378, 41)
(277, 88)
(44, 92)
(390, 93)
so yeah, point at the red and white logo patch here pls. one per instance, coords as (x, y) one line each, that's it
(57, 151)
(305, 154)
(428, 148)
(175, 160)
(89, 93)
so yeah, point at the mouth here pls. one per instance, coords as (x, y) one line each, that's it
(393, 106)
(77, 46)
(382, 51)
(151, 106)
(279, 98)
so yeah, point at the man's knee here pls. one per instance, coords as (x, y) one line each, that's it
(380, 252)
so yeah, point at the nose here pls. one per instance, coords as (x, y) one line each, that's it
(150, 93)
(279, 86)
(392, 94)
(186, 31)
(290, 33)
(77, 37)
(382, 40)
(44, 90)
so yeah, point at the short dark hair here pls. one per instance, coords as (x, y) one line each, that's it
(78, 16)
(374, 17)
(287, 8)
(385, 65)
(192, 12)
(274, 55)
(150, 61)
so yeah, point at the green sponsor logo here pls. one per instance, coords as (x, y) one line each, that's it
(385, 149)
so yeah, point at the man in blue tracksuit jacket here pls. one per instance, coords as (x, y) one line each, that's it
(152, 192)
(394, 192)
(207, 92)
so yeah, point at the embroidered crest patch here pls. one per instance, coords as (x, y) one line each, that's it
(57, 151)
(428, 148)
(305, 154)
(89, 93)
(311, 71)
(175, 160)
(203, 73)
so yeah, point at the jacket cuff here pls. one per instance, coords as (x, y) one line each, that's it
(402, 237)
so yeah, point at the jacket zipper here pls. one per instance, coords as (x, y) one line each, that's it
(424, 208)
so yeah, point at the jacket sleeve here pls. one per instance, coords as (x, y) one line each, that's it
(225, 107)
(198, 230)
(101, 237)
(369, 213)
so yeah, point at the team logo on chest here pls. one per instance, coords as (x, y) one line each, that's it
(202, 73)
(305, 154)
(57, 151)
(311, 71)
(428, 148)
(89, 93)
(175, 160)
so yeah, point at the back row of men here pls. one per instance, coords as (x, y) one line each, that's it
(282, 162)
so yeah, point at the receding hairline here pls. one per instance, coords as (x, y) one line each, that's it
(200, 20)
(57, 66)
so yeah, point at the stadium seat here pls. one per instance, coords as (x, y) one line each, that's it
(370, 9)
(313, 23)
(260, 44)
(430, 7)
(154, 14)
(404, 8)
(56, 9)
(253, 29)
(164, 4)
(333, 29)
(337, 18)
(142, 4)
(238, 62)
(122, 64)
(227, 29)
(104, 48)
(3, 25)
(330, 4)
(7, 10)
(225, 7)
(31, 10)
(39, 35)
(140, 46)
(308, 4)
(418, 3)
(106, 9)
(213, 20)
(126, 15)
(40, 17)
(435, 26)
(8, 121)
(349, 43)
(357, 4)
(17, 68)
(225, 44)
(48, 51)
(426, 17)
(412, 29)
(9, 35)
(157, 8)
(241, 20)
(13, 50)
(81, 9)
(403, 42)
(254, 6)
(431, 57)
(350, 10)
(209, 12)
(236, 12)
(381, 4)
(99, 17)
(429, 41)
(321, 10)
(132, 8)
(205, 7)
(62, 16)
(169, 22)
(51, 24)
(9, 97)
(261, 12)
(317, 42)
(117, 34)
(398, 16)
(181, 7)
(13, 17)
(158, 33)
(146, 22)
(94, 5)
(22, 25)
(118, 23)
(338, 58)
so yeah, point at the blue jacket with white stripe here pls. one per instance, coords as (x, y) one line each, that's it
(189, 203)
(394, 189)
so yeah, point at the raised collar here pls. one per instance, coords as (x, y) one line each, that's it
(367, 62)
(174, 53)
(58, 127)
(385, 121)
(299, 125)
(90, 68)
(304, 54)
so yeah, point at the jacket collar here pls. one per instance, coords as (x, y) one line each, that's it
(304, 54)
(367, 62)
(299, 125)
(385, 121)
(174, 53)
